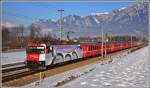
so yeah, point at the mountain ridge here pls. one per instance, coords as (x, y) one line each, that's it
(125, 20)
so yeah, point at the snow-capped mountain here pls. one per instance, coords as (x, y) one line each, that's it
(120, 21)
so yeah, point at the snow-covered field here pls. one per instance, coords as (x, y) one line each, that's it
(125, 71)
(12, 57)
(129, 71)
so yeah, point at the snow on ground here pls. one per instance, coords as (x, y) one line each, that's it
(51, 81)
(125, 71)
(12, 57)
(129, 71)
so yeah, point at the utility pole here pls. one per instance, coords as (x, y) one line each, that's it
(102, 41)
(106, 40)
(22, 30)
(105, 49)
(110, 36)
(131, 40)
(61, 28)
(68, 34)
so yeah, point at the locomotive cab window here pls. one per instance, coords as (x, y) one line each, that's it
(36, 50)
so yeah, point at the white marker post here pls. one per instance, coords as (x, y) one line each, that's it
(40, 78)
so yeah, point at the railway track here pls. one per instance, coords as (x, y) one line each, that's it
(12, 64)
(10, 70)
(9, 74)
(13, 67)
(19, 72)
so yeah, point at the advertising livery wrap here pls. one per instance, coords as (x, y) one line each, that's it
(44, 55)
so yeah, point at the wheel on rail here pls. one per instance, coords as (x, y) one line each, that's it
(41, 68)
(74, 56)
(59, 59)
(67, 58)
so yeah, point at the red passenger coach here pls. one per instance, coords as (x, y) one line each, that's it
(91, 49)
(126, 45)
(109, 47)
(120, 46)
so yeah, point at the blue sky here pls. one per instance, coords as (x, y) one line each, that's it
(28, 12)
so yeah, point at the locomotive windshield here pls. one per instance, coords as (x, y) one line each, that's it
(35, 50)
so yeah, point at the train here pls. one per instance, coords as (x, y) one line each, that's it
(41, 55)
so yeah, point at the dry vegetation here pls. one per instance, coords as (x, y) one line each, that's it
(72, 77)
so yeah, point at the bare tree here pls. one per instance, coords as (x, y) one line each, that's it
(35, 33)
(5, 35)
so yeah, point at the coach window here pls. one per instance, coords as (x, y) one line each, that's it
(96, 47)
(99, 47)
(93, 48)
(89, 48)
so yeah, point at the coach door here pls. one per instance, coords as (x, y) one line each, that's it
(48, 58)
